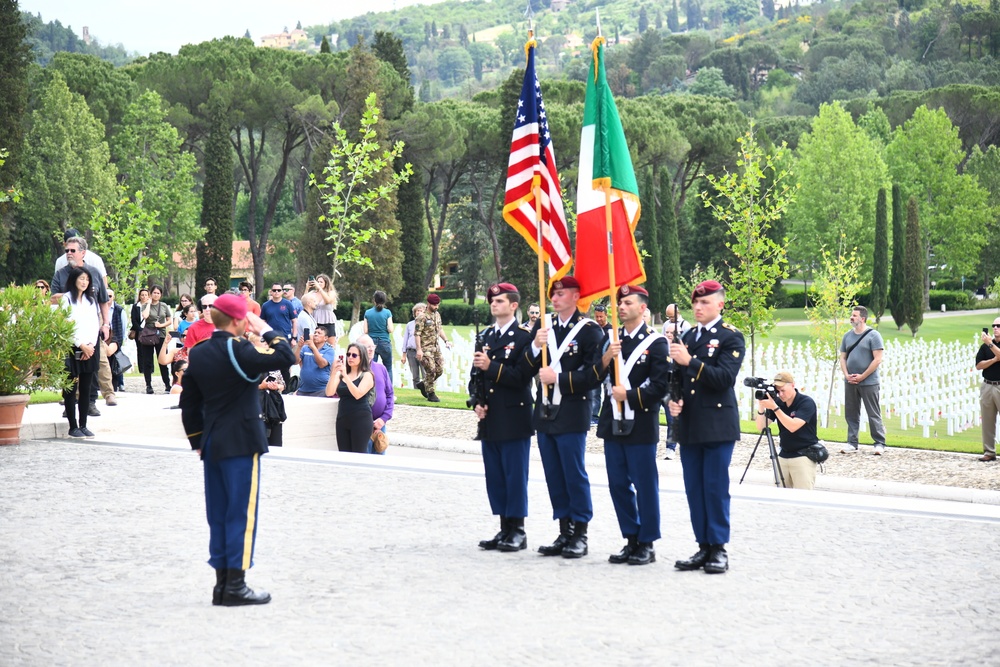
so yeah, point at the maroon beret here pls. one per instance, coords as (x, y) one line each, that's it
(232, 305)
(566, 282)
(625, 290)
(433, 299)
(500, 288)
(705, 288)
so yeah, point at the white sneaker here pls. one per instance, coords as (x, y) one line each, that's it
(879, 450)
(848, 449)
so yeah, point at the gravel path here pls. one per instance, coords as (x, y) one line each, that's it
(896, 465)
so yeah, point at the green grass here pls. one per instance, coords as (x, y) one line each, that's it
(44, 397)
(962, 328)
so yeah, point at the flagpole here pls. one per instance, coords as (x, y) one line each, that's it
(613, 289)
(536, 193)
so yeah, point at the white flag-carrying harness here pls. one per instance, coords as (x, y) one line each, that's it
(555, 356)
(626, 367)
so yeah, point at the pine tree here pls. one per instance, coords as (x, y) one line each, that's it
(670, 240)
(215, 252)
(895, 299)
(913, 288)
(880, 263)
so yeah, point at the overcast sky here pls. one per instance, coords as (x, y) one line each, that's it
(165, 25)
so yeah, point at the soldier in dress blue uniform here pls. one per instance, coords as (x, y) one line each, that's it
(220, 408)
(709, 360)
(562, 412)
(506, 418)
(630, 426)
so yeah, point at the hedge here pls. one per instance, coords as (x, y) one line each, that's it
(452, 313)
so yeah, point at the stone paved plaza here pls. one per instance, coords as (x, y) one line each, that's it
(373, 560)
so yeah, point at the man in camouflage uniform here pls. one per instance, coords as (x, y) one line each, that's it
(427, 331)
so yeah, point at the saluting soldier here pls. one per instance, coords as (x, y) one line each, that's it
(562, 412)
(428, 329)
(506, 418)
(630, 426)
(220, 408)
(709, 359)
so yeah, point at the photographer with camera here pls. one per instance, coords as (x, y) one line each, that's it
(795, 415)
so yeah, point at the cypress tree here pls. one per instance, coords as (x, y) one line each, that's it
(895, 299)
(649, 243)
(913, 288)
(880, 263)
(410, 212)
(215, 252)
(324, 46)
(670, 258)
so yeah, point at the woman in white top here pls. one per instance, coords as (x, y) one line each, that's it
(326, 299)
(82, 362)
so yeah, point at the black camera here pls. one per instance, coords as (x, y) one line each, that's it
(764, 389)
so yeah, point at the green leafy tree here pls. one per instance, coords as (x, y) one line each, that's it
(215, 250)
(840, 168)
(834, 291)
(106, 88)
(710, 82)
(898, 275)
(344, 192)
(924, 158)
(121, 229)
(150, 158)
(985, 166)
(880, 263)
(915, 269)
(749, 201)
(67, 165)
(15, 58)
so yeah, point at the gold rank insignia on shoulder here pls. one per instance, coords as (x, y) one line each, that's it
(736, 353)
(727, 325)
(264, 350)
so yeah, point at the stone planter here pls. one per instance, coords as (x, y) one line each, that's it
(11, 414)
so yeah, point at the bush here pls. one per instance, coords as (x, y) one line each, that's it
(952, 299)
(453, 313)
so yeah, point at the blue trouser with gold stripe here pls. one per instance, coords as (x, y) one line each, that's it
(566, 475)
(638, 510)
(232, 489)
(706, 482)
(506, 465)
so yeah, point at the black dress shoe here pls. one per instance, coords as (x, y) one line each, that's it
(565, 532)
(220, 583)
(643, 554)
(695, 562)
(623, 555)
(423, 391)
(149, 389)
(718, 560)
(577, 545)
(433, 398)
(236, 593)
(490, 545)
(515, 538)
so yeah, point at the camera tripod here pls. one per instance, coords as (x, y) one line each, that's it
(779, 478)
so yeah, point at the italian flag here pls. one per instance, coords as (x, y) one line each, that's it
(606, 180)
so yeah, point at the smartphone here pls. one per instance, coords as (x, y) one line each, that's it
(78, 354)
(312, 279)
(340, 357)
(305, 333)
(986, 331)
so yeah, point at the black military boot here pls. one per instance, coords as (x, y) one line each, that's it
(491, 544)
(236, 593)
(695, 562)
(565, 532)
(643, 554)
(623, 555)
(718, 559)
(515, 538)
(220, 583)
(577, 545)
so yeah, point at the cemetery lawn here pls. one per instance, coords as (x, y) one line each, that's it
(967, 441)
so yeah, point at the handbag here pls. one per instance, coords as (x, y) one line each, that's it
(131, 334)
(380, 441)
(120, 363)
(149, 336)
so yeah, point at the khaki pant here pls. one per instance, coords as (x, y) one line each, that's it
(989, 406)
(104, 373)
(799, 472)
(433, 364)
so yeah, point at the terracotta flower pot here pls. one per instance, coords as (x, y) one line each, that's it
(11, 414)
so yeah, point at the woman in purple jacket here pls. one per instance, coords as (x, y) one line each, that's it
(385, 399)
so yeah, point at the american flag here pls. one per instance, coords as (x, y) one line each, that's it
(532, 162)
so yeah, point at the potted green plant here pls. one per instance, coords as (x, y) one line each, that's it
(35, 338)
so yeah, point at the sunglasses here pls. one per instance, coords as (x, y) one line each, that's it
(40, 286)
(353, 355)
(276, 290)
(287, 289)
(70, 251)
(994, 326)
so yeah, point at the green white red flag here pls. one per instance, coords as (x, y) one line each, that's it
(606, 173)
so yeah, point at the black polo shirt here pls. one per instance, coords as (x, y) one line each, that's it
(991, 373)
(802, 407)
